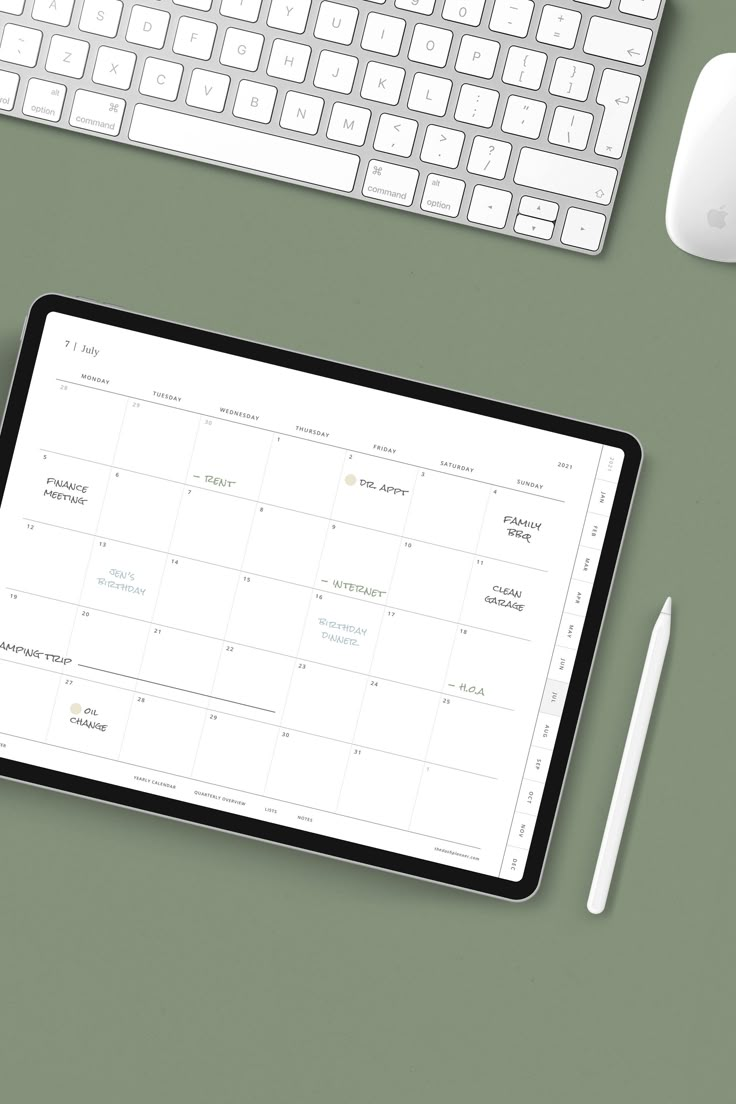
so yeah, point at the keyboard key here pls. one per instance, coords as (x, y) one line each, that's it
(207, 90)
(12, 7)
(161, 78)
(382, 82)
(617, 92)
(241, 49)
(476, 105)
(489, 157)
(249, 149)
(571, 79)
(442, 146)
(583, 229)
(53, 11)
(395, 135)
(422, 7)
(553, 172)
(289, 15)
(558, 26)
(301, 112)
(147, 26)
(336, 71)
(463, 11)
(8, 89)
(533, 227)
(20, 45)
(570, 128)
(101, 17)
(67, 56)
(646, 9)
(336, 23)
(524, 67)
(383, 34)
(539, 208)
(247, 10)
(114, 67)
(430, 45)
(390, 183)
(442, 195)
(489, 206)
(200, 5)
(194, 38)
(429, 94)
(594, 3)
(349, 124)
(289, 60)
(512, 17)
(477, 56)
(44, 100)
(254, 101)
(93, 111)
(618, 41)
(524, 117)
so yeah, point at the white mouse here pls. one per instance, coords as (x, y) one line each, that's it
(701, 205)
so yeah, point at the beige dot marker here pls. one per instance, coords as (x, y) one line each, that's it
(76, 708)
(350, 480)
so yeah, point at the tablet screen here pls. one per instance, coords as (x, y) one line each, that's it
(290, 597)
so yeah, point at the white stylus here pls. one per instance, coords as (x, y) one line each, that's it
(630, 760)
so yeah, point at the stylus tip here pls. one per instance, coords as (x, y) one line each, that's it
(667, 607)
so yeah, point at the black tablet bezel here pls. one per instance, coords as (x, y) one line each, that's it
(293, 837)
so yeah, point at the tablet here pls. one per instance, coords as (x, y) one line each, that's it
(297, 600)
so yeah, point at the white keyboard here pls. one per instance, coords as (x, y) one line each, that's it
(509, 115)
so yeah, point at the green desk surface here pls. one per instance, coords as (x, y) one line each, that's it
(144, 960)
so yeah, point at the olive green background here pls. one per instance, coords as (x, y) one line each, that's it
(144, 960)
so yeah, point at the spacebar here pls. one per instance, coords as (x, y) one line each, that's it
(247, 149)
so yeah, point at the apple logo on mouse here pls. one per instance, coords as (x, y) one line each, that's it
(717, 218)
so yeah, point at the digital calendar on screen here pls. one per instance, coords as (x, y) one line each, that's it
(290, 597)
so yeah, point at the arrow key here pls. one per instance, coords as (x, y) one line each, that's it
(583, 229)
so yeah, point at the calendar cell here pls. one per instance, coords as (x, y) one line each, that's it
(252, 683)
(139, 510)
(285, 545)
(108, 642)
(88, 717)
(471, 737)
(413, 650)
(341, 632)
(156, 441)
(311, 688)
(375, 493)
(235, 752)
(86, 423)
(447, 510)
(176, 665)
(213, 527)
(378, 787)
(454, 806)
(358, 562)
(28, 695)
(48, 561)
(307, 770)
(269, 614)
(229, 457)
(430, 580)
(195, 596)
(161, 735)
(302, 475)
(396, 718)
(123, 578)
